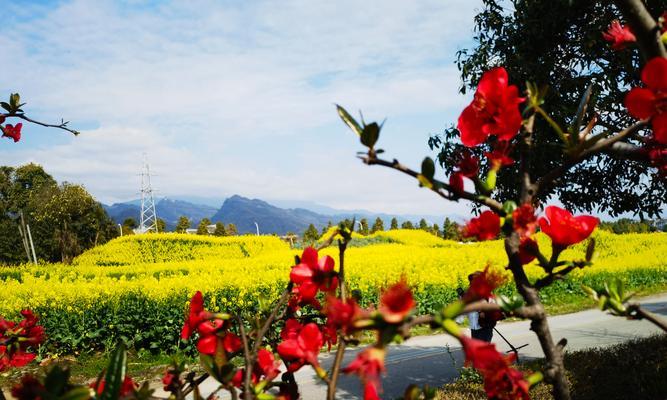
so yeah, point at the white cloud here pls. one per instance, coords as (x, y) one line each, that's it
(196, 83)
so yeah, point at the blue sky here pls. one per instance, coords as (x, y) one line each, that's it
(235, 97)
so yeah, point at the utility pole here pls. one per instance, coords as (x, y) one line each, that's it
(148, 218)
(257, 226)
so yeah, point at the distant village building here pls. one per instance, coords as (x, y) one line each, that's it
(209, 228)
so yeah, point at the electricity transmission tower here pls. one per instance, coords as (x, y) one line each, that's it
(148, 219)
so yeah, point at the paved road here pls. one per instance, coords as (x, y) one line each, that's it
(434, 359)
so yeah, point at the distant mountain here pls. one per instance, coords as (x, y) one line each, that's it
(279, 217)
(167, 209)
(244, 212)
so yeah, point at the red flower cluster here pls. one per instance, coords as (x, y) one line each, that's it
(396, 302)
(657, 155)
(16, 338)
(499, 156)
(564, 229)
(313, 274)
(494, 110)
(467, 167)
(484, 227)
(619, 35)
(483, 284)
(11, 131)
(651, 101)
(342, 314)
(126, 388)
(369, 365)
(213, 336)
(525, 223)
(266, 368)
(301, 345)
(501, 381)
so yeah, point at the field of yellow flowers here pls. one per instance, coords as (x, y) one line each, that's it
(136, 288)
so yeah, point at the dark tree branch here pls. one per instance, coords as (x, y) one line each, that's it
(553, 276)
(248, 360)
(441, 188)
(644, 27)
(546, 182)
(635, 311)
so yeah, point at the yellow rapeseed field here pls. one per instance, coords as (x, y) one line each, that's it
(160, 265)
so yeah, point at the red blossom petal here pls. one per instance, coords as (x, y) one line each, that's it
(396, 303)
(660, 128)
(470, 126)
(640, 103)
(654, 74)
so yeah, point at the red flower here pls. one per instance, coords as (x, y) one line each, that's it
(657, 155)
(29, 389)
(500, 380)
(312, 275)
(565, 229)
(499, 156)
(494, 110)
(196, 316)
(13, 132)
(484, 227)
(483, 284)
(266, 368)
(126, 388)
(651, 101)
(15, 358)
(619, 35)
(302, 347)
(214, 338)
(524, 220)
(171, 381)
(527, 250)
(469, 165)
(342, 314)
(16, 338)
(368, 365)
(456, 182)
(396, 303)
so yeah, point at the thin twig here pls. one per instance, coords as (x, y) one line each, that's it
(62, 126)
(248, 360)
(448, 193)
(194, 384)
(340, 351)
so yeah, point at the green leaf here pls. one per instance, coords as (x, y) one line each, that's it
(78, 393)
(590, 250)
(14, 100)
(349, 120)
(6, 106)
(428, 168)
(370, 134)
(115, 374)
(581, 113)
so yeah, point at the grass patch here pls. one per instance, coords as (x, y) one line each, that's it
(632, 370)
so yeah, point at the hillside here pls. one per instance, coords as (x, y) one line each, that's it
(244, 212)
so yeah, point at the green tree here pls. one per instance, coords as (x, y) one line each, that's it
(326, 228)
(394, 224)
(407, 225)
(231, 230)
(378, 225)
(220, 229)
(202, 228)
(364, 226)
(67, 220)
(310, 235)
(450, 230)
(423, 225)
(183, 224)
(128, 226)
(436, 230)
(567, 54)
(161, 225)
